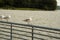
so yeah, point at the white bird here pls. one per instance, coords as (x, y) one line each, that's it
(7, 17)
(28, 20)
(1, 17)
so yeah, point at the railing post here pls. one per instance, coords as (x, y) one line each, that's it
(11, 32)
(32, 33)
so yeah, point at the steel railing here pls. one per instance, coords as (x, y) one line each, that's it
(16, 31)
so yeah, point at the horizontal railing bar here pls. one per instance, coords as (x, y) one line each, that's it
(47, 35)
(19, 38)
(4, 38)
(5, 28)
(34, 29)
(37, 29)
(31, 26)
(42, 35)
(4, 31)
(15, 30)
(46, 31)
(18, 26)
(21, 35)
(36, 34)
(13, 36)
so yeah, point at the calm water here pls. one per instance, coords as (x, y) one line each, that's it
(42, 18)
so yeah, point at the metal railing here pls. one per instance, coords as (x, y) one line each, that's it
(16, 31)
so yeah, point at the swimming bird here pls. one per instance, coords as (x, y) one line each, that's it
(7, 17)
(28, 20)
(1, 17)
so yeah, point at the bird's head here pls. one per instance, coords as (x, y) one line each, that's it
(9, 16)
(30, 18)
(2, 16)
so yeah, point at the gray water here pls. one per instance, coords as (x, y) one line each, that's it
(41, 18)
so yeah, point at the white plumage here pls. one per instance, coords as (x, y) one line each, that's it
(2, 17)
(7, 17)
(28, 20)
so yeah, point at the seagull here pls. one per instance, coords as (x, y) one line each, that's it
(28, 20)
(2, 17)
(7, 17)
